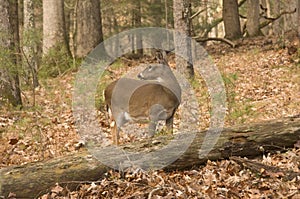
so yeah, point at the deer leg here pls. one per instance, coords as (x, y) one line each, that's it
(115, 133)
(121, 119)
(152, 128)
(169, 124)
(157, 112)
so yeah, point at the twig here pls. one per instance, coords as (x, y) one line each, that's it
(154, 190)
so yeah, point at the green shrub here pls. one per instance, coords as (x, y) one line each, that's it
(56, 62)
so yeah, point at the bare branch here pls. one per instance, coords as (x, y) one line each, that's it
(227, 41)
(197, 13)
(272, 19)
(241, 3)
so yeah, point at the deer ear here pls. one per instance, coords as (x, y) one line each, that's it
(150, 67)
(161, 57)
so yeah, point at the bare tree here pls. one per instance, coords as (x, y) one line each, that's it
(9, 51)
(88, 27)
(54, 31)
(253, 18)
(30, 41)
(182, 24)
(137, 22)
(231, 19)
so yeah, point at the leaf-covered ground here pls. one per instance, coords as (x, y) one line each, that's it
(222, 179)
(262, 81)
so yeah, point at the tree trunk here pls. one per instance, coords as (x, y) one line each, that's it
(30, 41)
(266, 11)
(290, 20)
(182, 25)
(298, 9)
(137, 23)
(54, 30)
(247, 140)
(231, 19)
(253, 18)
(10, 52)
(88, 27)
(166, 14)
(116, 31)
(277, 26)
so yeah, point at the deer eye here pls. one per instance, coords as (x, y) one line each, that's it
(150, 68)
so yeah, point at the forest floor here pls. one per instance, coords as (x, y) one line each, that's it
(262, 82)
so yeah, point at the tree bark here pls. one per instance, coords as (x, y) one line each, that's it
(290, 22)
(10, 52)
(298, 9)
(54, 30)
(116, 31)
(182, 25)
(253, 18)
(231, 19)
(277, 26)
(137, 23)
(30, 41)
(248, 140)
(88, 27)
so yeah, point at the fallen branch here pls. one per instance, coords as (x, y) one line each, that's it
(227, 41)
(265, 170)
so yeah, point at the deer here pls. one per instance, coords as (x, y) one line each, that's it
(153, 97)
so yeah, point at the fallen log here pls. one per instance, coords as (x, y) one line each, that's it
(34, 179)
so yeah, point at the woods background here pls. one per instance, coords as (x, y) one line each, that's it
(46, 38)
(254, 43)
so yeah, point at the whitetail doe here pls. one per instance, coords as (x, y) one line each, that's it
(153, 97)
